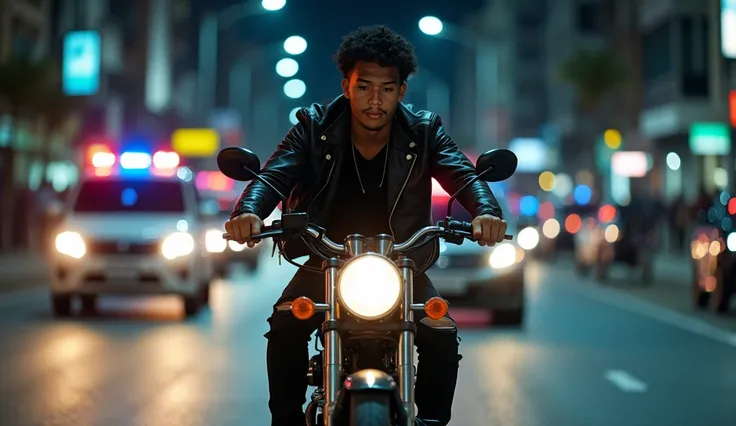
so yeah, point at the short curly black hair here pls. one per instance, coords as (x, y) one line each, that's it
(378, 44)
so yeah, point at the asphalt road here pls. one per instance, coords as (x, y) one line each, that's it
(587, 356)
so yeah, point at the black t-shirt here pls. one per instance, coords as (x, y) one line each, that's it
(356, 212)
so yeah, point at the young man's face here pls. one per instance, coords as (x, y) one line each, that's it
(374, 93)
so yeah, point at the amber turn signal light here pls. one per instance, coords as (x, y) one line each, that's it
(303, 308)
(436, 308)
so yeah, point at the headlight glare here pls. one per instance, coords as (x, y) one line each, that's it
(369, 286)
(502, 256)
(71, 244)
(178, 244)
(213, 241)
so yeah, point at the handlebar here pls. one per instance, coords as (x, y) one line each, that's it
(447, 229)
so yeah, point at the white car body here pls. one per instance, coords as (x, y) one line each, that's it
(123, 251)
(490, 278)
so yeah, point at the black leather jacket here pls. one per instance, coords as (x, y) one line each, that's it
(306, 164)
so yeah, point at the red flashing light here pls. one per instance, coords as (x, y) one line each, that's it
(732, 107)
(732, 206)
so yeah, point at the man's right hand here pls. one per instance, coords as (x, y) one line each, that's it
(242, 227)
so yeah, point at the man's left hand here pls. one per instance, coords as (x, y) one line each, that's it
(488, 230)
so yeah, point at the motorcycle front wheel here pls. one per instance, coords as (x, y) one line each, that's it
(370, 409)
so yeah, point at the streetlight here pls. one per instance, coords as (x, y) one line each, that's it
(433, 26)
(241, 78)
(273, 5)
(295, 88)
(295, 45)
(209, 30)
(287, 67)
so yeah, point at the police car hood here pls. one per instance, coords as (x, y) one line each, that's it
(129, 226)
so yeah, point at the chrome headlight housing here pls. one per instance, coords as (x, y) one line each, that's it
(370, 286)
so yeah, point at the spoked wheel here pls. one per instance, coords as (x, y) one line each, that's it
(370, 409)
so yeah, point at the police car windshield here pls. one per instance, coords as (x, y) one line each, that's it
(121, 195)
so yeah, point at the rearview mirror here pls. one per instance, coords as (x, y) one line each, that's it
(238, 163)
(492, 166)
(496, 165)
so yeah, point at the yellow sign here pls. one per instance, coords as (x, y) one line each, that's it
(195, 142)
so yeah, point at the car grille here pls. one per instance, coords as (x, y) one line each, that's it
(461, 261)
(122, 247)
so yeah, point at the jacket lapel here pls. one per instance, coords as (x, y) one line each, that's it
(402, 155)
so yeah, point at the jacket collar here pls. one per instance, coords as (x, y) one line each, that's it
(334, 124)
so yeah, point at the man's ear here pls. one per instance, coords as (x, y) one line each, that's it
(346, 88)
(402, 91)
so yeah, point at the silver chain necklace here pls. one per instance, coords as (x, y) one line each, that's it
(355, 162)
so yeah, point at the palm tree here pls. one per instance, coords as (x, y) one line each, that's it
(594, 74)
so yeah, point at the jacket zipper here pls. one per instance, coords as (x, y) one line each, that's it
(401, 191)
(329, 176)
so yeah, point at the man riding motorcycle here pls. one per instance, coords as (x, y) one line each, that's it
(363, 164)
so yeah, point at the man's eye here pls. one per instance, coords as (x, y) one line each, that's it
(363, 87)
(388, 89)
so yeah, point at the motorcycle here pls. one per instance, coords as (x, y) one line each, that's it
(365, 372)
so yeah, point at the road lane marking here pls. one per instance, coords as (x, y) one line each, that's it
(639, 306)
(625, 381)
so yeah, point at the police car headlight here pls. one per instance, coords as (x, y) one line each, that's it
(502, 256)
(213, 241)
(71, 244)
(369, 286)
(178, 244)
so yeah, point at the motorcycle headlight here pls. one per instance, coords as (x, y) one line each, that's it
(213, 241)
(369, 286)
(178, 244)
(71, 244)
(502, 256)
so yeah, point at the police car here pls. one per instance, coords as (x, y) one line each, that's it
(132, 227)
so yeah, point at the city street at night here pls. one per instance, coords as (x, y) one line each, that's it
(586, 356)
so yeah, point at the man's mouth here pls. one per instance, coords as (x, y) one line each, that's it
(374, 114)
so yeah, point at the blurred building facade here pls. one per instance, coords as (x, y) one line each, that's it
(685, 81)
(146, 60)
(508, 100)
(24, 26)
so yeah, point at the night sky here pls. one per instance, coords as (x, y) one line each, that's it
(323, 22)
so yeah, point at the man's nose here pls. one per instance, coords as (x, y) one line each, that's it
(375, 98)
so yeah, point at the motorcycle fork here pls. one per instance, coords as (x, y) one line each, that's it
(332, 354)
(405, 351)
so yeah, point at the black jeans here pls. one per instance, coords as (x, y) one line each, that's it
(288, 352)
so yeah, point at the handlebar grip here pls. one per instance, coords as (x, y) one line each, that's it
(264, 230)
(468, 227)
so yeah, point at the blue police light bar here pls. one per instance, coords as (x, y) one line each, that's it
(135, 160)
(81, 64)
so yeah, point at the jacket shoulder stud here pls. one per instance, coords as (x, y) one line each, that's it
(412, 145)
(323, 137)
(328, 157)
(408, 156)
